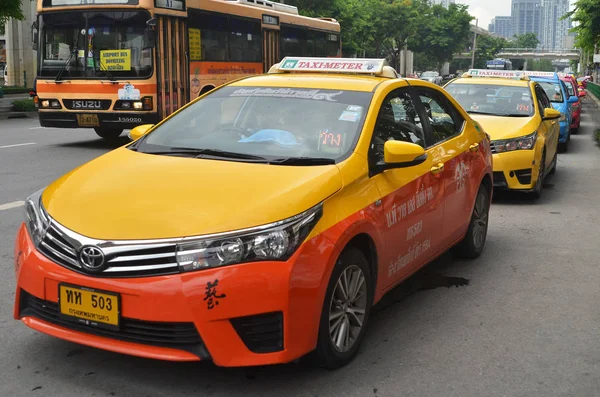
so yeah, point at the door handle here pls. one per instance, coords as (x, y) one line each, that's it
(474, 147)
(437, 169)
(553, 121)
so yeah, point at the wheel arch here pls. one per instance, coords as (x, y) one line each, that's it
(365, 243)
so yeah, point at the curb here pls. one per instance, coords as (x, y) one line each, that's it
(590, 95)
(18, 115)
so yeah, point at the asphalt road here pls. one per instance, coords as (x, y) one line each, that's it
(523, 320)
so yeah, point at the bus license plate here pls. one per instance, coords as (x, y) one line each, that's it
(88, 306)
(87, 120)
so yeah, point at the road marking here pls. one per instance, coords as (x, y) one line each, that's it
(18, 144)
(14, 204)
(37, 128)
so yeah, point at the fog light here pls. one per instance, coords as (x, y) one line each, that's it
(46, 104)
(55, 104)
(137, 105)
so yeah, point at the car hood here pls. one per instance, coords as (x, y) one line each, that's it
(129, 195)
(506, 127)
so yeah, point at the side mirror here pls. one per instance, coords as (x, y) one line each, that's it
(139, 131)
(573, 99)
(400, 154)
(551, 114)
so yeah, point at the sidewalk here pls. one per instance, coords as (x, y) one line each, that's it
(6, 111)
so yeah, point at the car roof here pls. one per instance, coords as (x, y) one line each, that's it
(492, 80)
(328, 81)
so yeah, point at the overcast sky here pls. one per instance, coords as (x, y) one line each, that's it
(485, 10)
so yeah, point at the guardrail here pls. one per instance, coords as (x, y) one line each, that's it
(540, 51)
(594, 89)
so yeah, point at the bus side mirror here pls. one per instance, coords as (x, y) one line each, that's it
(34, 35)
(149, 34)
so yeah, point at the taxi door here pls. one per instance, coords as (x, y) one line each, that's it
(454, 154)
(411, 197)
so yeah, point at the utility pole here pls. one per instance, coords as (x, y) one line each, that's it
(474, 44)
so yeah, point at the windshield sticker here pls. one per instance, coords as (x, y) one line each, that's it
(129, 92)
(350, 116)
(330, 142)
(287, 93)
(281, 137)
(115, 60)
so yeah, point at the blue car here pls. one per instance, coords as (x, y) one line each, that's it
(559, 96)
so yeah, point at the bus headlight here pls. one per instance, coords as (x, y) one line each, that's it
(275, 242)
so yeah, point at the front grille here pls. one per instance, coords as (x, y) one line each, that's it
(499, 179)
(182, 336)
(261, 333)
(87, 104)
(524, 176)
(129, 259)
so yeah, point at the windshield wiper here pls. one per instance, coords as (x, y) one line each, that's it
(197, 153)
(485, 113)
(303, 161)
(58, 77)
(514, 115)
(111, 78)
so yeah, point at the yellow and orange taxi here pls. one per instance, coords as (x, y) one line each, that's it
(521, 121)
(261, 221)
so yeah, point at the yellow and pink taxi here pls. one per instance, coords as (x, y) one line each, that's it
(260, 222)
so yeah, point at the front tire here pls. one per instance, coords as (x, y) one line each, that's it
(539, 184)
(109, 134)
(472, 245)
(346, 310)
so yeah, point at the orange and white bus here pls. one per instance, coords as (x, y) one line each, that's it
(115, 64)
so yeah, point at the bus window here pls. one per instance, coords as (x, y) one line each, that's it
(320, 44)
(296, 42)
(214, 37)
(333, 45)
(244, 41)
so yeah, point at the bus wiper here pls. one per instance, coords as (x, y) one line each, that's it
(303, 161)
(104, 69)
(58, 77)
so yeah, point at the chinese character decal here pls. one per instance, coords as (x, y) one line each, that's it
(212, 296)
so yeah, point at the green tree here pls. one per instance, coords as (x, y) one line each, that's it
(587, 15)
(487, 49)
(527, 40)
(543, 65)
(442, 32)
(10, 9)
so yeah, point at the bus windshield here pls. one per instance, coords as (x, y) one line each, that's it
(94, 45)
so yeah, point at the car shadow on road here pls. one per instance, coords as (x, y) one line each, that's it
(97, 368)
(98, 144)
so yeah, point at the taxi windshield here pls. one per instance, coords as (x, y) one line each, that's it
(493, 99)
(553, 91)
(265, 123)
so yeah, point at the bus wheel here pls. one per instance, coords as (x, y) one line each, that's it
(110, 134)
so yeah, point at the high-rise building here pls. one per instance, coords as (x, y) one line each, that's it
(554, 30)
(526, 17)
(502, 26)
(445, 3)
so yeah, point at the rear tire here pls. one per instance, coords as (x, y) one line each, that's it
(472, 245)
(575, 131)
(344, 316)
(109, 134)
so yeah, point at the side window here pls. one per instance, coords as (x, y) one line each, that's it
(543, 100)
(397, 120)
(444, 119)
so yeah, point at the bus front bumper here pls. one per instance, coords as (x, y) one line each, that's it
(108, 120)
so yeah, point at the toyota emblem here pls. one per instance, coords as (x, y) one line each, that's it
(92, 258)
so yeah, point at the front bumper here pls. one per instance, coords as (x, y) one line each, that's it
(515, 170)
(270, 313)
(108, 120)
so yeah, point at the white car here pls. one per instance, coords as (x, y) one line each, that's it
(432, 77)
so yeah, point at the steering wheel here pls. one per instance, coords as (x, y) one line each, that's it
(241, 132)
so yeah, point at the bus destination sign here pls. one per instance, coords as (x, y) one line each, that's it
(170, 4)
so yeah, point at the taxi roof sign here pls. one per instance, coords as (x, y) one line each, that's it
(335, 65)
(507, 74)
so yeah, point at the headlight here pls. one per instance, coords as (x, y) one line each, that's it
(522, 143)
(274, 242)
(36, 219)
(563, 117)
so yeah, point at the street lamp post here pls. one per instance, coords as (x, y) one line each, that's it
(474, 44)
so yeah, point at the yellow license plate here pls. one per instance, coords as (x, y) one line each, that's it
(87, 120)
(88, 306)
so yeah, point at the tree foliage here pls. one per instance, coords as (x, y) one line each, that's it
(527, 40)
(10, 9)
(382, 28)
(586, 14)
